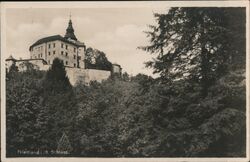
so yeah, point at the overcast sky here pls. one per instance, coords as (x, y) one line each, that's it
(116, 31)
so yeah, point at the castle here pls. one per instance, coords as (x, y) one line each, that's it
(68, 49)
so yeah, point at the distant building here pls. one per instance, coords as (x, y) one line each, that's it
(9, 61)
(39, 64)
(68, 49)
(116, 69)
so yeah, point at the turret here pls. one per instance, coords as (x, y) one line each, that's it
(70, 31)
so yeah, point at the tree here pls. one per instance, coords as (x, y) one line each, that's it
(195, 43)
(56, 77)
(24, 119)
(125, 76)
(144, 81)
(12, 71)
(201, 71)
(59, 100)
(29, 67)
(96, 59)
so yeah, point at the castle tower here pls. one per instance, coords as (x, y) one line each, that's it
(68, 49)
(70, 31)
(10, 61)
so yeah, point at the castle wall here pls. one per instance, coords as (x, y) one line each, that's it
(98, 75)
(38, 51)
(53, 51)
(58, 49)
(38, 65)
(77, 75)
(81, 55)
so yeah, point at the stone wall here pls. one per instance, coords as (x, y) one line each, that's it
(75, 75)
(85, 76)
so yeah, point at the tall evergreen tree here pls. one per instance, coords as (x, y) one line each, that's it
(59, 99)
(56, 79)
(197, 43)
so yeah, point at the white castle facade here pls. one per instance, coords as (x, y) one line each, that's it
(68, 49)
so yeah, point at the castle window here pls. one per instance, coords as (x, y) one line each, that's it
(54, 45)
(66, 46)
(62, 45)
(74, 49)
(49, 53)
(79, 57)
(49, 45)
(41, 55)
(54, 52)
(61, 52)
(74, 56)
(66, 62)
(74, 65)
(66, 53)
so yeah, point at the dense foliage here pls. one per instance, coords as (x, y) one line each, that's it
(95, 59)
(128, 118)
(40, 109)
(198, 43)
(170, 116)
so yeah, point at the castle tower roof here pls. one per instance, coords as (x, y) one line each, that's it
(70, 31)
(10, 58)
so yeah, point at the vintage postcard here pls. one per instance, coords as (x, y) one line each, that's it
(125, 81)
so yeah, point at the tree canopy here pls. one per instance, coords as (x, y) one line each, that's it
(197, 43)
(56, 78)
(95, 59)
(196, 108)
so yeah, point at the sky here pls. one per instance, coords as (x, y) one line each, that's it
(117, 31)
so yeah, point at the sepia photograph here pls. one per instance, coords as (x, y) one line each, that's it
(132, 80)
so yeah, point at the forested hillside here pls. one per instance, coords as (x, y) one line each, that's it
(196, 108)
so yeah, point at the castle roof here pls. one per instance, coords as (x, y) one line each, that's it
(37, 59)
(68, 38)
(57, 37)
(115, 64)
(70, 32)
(10, 58)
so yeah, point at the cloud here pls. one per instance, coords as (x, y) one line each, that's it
(20, 37)
(121, 45)
(118, 42)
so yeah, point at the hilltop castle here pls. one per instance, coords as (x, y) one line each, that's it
(68, 49)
